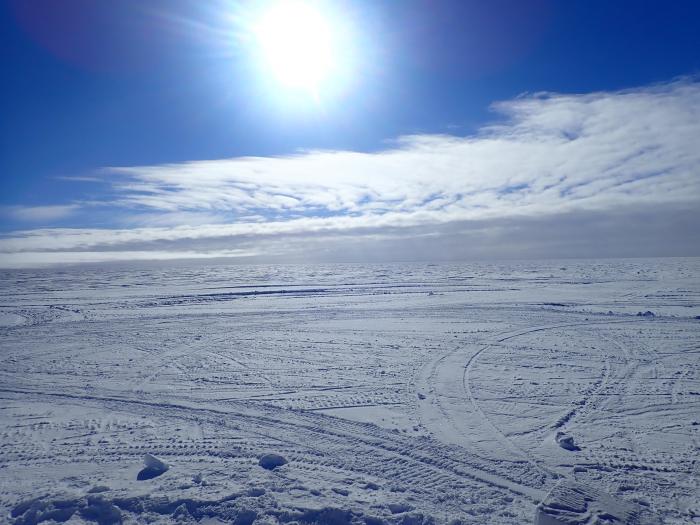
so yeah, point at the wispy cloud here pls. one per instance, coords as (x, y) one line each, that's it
(36, 214)
(552, 153)
(550, 156)
(79, 178)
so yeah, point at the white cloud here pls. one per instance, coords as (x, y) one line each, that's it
(553, 151)
(552, 155)
(38, 213)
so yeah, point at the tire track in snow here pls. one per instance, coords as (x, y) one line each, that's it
(431, 381)
(359, 447)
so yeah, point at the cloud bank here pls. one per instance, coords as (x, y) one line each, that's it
(589, 169)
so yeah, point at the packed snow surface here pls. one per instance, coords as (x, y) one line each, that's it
(504, 393)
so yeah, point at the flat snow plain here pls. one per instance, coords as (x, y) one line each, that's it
(399, 394)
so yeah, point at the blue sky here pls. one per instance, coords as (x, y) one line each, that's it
(149, 130)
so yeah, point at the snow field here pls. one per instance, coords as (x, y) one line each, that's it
(395, 393)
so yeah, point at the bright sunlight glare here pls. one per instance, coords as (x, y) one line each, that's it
(297, 44)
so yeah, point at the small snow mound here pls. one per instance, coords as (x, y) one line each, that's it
(271, 461)
(327, 516)
(154, 467)
(101, 511)
(151, 461)
(414, 518)
(255, 492)
(566, 442)
(36, 511)
(398, 508)
(648, 313)
(98, 489)
(245, 516)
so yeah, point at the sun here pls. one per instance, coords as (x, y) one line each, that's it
(296, 44)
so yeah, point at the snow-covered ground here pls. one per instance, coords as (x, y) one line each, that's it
(504, 393)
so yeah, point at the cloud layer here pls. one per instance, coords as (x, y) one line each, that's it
(552, 157)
